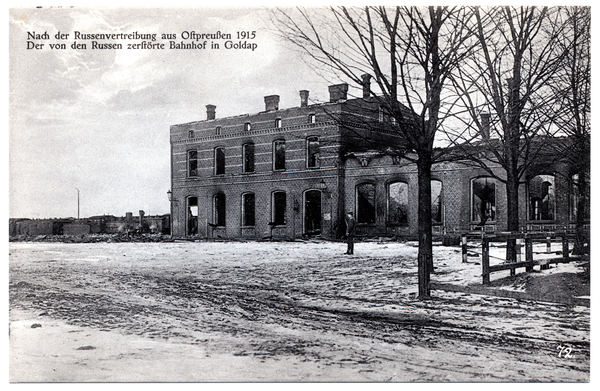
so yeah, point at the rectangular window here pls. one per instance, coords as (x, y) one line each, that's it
(248, 209)
(365, 203)
(279, 206)
(219, 161)
(279, 155)
(312, 149)
(192, 163)
(278, 123)
(248, 157)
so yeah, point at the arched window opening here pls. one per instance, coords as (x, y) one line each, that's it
(483, 197)
(397, 203)
(219, 210)
(365, 203)
(248, 210)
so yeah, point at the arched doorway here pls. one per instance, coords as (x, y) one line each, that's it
(312, 212)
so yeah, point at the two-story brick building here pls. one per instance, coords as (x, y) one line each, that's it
(288, 173)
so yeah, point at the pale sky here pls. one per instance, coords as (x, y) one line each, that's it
(98, 120)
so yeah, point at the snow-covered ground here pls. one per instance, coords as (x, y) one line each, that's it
(281, 311)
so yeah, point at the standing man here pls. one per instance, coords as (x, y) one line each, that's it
(350, 230)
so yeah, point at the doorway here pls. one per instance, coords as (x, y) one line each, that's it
(312, 212)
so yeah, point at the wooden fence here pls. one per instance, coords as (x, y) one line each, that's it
(520, 239)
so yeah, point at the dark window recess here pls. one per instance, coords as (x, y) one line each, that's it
(219, 210)
(279, 206)
(365, 203)
(220, 161)
(312, 152)
(192, 163)
(248, 212)
(248, 154)
(279, 155)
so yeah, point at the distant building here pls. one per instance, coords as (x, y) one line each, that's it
(290, 173)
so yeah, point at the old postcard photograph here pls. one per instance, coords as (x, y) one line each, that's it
(299, 194)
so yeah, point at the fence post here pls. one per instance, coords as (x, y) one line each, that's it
(485, 260)
(529, 253)
(463, 240)
(565, 246)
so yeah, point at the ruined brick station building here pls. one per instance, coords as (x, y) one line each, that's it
(291, 173)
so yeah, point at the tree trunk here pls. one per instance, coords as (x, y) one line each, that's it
(425, 259)
(582, 206)
(512, 213)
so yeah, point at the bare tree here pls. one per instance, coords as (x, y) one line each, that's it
(572, 87)
(410, 52)
(507, 81)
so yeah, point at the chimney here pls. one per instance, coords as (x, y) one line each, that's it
(338, 92)
(485, 126)
(366, 84)
(210, 112)
(272, 102)
(303, 98)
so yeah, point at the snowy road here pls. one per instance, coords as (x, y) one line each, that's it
(274, 312)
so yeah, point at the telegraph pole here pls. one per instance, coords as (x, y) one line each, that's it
(77, 203)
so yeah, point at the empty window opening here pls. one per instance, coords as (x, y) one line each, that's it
(365, 203)
(312, 149)
(483, 200)
(398, 203)
(248, 211)
(248, 157)
(579, 197)
(279, 207)
(219, 161)
(541, 197)
(279, 155)
(219, 209)
(192, 215)
(436, 202)
(192, 163)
